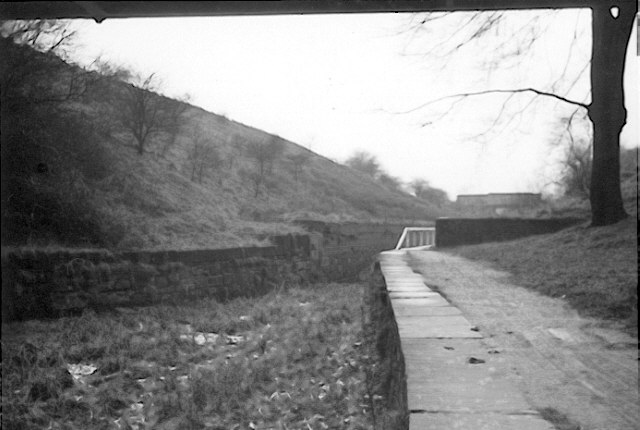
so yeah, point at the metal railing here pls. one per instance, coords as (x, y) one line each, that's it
(417, 236)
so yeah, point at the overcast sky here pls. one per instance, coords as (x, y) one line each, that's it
(341, 83)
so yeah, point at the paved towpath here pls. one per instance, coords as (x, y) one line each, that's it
(530, 353)
(455, 380)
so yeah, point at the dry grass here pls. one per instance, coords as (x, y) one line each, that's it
(109, 195)
(153, 204)
(294, 360)
(149, 202)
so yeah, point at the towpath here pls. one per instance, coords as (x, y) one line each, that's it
(482, 353)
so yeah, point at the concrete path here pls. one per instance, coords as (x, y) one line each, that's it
(454, 380)
(583, 373)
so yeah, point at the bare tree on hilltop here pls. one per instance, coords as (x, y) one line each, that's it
(264, 155)
(146, 116)
(202, 156)
(424, 191)
(368, 164)
(390, 182)
(40, 75)
(298, 163)
(611, 25)
(364, 162)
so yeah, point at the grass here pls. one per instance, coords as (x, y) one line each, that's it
(286, 360)
(559, 420)
(595, 269)
(132, 201)
(160, 207)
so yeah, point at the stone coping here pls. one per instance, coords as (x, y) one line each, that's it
(453, 380)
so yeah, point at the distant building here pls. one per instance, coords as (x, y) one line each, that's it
(499, 202)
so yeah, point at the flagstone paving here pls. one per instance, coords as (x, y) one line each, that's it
(454, 381)
(526, 353)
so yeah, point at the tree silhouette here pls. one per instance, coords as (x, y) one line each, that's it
(390, 182)
(424, 191)
(202, 155)
(575, 164)
(52, 153)
(298, 162)
(364, 162)
(139, 110)
(264, 155)
(612, 22)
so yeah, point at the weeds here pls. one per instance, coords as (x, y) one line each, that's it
(294, 360)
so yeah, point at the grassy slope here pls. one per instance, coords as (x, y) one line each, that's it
(163, 208)
(594, 268)
(150, 202)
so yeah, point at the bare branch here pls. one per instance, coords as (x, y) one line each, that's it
(462, 96)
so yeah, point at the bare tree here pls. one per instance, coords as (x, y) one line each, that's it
(264, 155)
(146, 116)
(254, 178)
(235, 141)
(576, 162)
(298, 163)
(141, 110)
(418, 186)
(612, 22)
(364, 162)
(576, 175)
(260, 153)
(275, 147)
(39, 75)
(51, 150)
(43, 35)
(202, 156)
(424, 191)
(175, 121)
(390, 182)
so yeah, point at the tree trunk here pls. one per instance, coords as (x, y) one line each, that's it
(607, 112)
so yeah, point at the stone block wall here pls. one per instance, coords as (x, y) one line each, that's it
(391, 375)
(49, 284)
(45, 284)
(461, 231)
(343, 250)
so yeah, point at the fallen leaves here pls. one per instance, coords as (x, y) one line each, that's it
(283, 366)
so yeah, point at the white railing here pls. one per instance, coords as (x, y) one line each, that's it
(417, 236)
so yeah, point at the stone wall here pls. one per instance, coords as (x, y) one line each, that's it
(45, 284)
(49, 284)
(461, 231)
(343, 250)
(391, 374)
(500, 199)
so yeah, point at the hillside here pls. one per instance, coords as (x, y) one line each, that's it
(72, 176)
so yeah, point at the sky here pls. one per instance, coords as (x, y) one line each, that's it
(337, 84)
